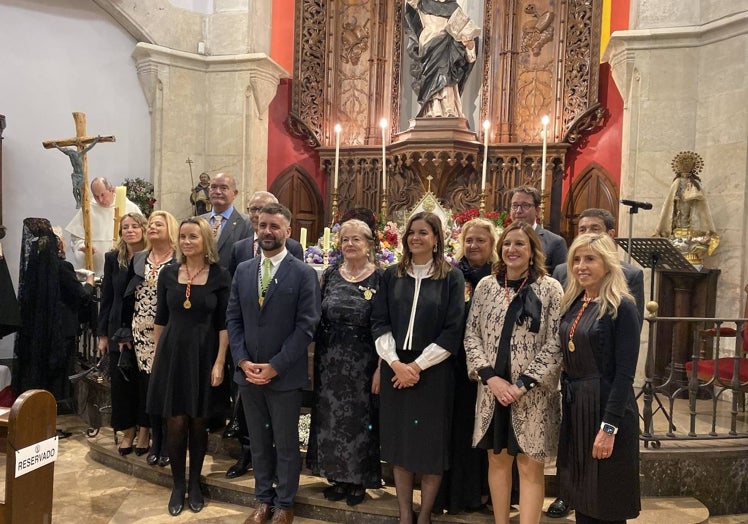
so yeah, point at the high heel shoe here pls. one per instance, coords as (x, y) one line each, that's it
(176, 503)
(336, 492)
(125, 451)
(356, 495)
(195, 501)
(141, 451)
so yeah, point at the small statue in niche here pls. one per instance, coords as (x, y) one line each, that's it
(685, 218)
(443, 43)
(355, 40)
(76, 160)
(200, 196)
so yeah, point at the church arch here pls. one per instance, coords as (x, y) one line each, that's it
(593, 188)
(297, 191)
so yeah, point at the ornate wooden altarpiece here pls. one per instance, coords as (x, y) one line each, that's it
(534, 59)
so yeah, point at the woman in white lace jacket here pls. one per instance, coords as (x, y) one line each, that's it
(512, 347)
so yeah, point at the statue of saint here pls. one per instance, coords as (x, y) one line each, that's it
(443, 43)
(76, 159)
(200, 198)
(685, 218)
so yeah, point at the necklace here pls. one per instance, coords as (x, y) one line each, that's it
(506, 287)
(187, 304)
(156, 263)
(585, 303)
(357, 276)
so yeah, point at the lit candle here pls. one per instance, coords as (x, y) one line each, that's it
(120, 197)
(383, 125)
(326, 240)
(544, 121)
(486, 127)
(302, 238)
(338, 129)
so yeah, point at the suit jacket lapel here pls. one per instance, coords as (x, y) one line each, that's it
(227, 231)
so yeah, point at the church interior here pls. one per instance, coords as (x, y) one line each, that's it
(612, 104)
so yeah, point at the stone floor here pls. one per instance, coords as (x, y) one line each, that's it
(88, 491)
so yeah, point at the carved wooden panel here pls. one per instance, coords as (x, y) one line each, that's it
(297, 191)
(593, 188)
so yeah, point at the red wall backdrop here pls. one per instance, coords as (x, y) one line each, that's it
(604, 146)
(285, 150)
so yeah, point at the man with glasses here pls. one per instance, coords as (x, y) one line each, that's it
(228, 224)
(524, 208)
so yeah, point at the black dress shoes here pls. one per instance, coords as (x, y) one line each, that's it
(338, 491)
(176, 503)
(232, 430)
(195, 502)
(242, 465)
(558, 508)
(356, 495)
(152, 459)
(163, 461)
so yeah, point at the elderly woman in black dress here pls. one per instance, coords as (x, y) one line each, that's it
(191, 345)
(512, 346)
(598, 459)
(417, 323)
(344, 440)
(124, 388)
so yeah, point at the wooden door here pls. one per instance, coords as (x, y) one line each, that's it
(593, 188)
(297, 191)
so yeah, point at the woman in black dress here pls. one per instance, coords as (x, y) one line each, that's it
(124, 389)
(191, 345)
(344, 436)
(465, 486)
(417, 323)
(598, 458)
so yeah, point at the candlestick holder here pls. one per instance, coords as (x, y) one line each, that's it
(482, 206)
(326, 259)
(384, 206)
(542, 209)
(334, 208)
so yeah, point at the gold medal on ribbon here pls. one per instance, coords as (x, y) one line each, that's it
(572, 347)
(368, 294)
(187, 304)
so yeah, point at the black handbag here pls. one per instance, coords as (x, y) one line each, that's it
(127, 363)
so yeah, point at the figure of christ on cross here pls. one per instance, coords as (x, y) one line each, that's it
(79, 162)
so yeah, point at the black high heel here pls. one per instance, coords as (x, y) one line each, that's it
(125, 451)
(176, 503)
(356, 495)
(337, 491)
(195, 501)
(141, 451)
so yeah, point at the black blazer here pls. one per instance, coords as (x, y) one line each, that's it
(112, 290)
(243, 250)
(236, 228)
(279, 332)
(554, 248)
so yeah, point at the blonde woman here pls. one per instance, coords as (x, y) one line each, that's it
(124, 389)
(598, 460)
(138, 314)
(511, 342)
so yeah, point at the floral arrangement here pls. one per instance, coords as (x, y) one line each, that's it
(140, 193)
(454, 228)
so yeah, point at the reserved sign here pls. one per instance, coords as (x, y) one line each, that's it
(36, 455)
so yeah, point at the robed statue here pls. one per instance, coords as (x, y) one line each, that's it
(200, 196)
(442, 41)
(685, 218)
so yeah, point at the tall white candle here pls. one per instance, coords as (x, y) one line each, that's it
(544, 121)
(486, 127)
(326, 240)
(383, 125)
(302, 237)
(338, 129)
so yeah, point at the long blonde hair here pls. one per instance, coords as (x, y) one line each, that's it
(613, 287)
(121, 248)
(210, 249)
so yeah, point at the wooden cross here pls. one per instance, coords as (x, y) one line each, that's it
(82, 142)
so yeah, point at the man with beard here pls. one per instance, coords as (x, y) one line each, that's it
(273, 312)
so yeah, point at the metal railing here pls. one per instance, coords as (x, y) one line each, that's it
(688, 342)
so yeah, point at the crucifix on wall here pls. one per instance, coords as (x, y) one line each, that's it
(76, 149)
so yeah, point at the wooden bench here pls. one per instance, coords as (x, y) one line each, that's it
(31, 419)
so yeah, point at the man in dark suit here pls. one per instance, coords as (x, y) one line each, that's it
(247, 249)
(524, 208)
(273, 311)
(227, 223)
(599, 221)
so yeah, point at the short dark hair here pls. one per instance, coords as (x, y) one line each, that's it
(277, 209)
(603, 214)
(528, 190)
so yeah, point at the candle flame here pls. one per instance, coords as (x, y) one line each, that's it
(338, 128)
(383, 123)
(486, 124)
(545, 120)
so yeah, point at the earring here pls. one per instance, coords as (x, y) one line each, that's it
(434, 248)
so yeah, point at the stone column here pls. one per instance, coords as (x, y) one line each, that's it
(212, 109)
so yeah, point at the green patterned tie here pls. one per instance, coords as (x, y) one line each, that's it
(265, 283)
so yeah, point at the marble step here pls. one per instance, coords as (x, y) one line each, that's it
(380, 505)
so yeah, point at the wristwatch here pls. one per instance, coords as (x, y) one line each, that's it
(610, 429)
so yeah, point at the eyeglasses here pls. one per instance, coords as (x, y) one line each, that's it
(254, 209)
(524, 206)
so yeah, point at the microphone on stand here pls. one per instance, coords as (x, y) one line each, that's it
(637, 205)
